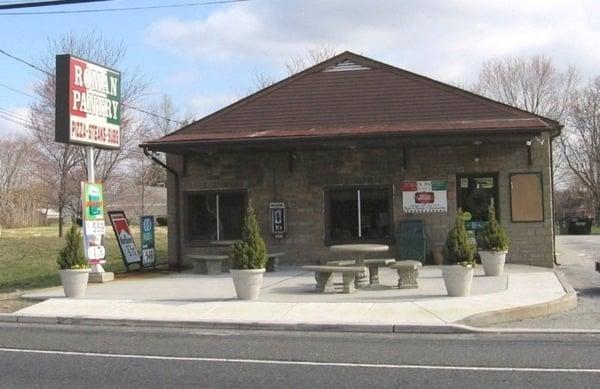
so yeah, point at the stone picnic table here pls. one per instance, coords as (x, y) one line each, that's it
(359, 252)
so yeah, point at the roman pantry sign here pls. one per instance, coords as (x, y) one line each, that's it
(88, 103)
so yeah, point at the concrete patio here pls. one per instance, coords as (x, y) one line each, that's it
(288, 299)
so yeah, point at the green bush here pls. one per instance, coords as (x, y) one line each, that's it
(458, 250)
(493, 237)
(71, 255)
(251, 252)
(161, 221)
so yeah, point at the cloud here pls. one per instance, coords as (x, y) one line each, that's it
(202, 105)
(444, 39)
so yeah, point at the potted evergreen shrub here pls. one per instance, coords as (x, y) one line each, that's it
(74, 270)
(494, 246)
(460, 261)
(248, 259)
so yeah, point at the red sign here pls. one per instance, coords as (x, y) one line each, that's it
(88, 103)
(424, 197)
(124, 238)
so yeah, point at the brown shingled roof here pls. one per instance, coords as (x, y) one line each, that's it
(363, 97)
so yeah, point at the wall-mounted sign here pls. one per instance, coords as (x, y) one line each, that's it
(92, 202)
(277, 219)
(147, 236)
(88, 103)
(124, 238)
(425, 196)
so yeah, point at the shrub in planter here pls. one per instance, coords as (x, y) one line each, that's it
(494, 246)
(458, 250)
(460, 261)
(74, 270)
(248, 259)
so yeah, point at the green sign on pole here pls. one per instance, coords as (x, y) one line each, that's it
(93, 201)
(147, 235)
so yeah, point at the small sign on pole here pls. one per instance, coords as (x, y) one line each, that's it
(120, 226)
(93, 222)
(147, 236)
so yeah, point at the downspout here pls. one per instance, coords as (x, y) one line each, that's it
(552, 192)
(177, 210)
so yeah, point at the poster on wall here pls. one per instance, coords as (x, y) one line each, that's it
(424, 196)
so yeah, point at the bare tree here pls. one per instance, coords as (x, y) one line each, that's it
(293, 65)
(535, 85)
(581, 143)
(62, 166)
(19, 198)
(313, 56)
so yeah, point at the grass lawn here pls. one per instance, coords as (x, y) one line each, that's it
(28, 255)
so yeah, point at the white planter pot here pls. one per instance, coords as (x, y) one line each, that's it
(74, 282)
(493, 262)
(458, 279)
(247, 283)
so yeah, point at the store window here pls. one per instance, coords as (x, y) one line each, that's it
(358, 214)
(475, 194)
(215, 216)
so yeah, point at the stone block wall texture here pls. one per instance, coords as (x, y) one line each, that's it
(267, 177)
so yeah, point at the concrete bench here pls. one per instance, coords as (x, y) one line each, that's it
(324, 276)
(408, 271)
(273, 261)
(373, 264)
(207, 263)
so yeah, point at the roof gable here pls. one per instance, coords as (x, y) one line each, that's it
(351, 91)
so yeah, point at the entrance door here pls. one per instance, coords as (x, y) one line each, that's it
(475, 194)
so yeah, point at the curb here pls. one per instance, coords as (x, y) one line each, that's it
(563, 304)
(299, 327)
(470, 324)
(265, 326)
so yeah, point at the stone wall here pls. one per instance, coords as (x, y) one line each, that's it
(269, 176)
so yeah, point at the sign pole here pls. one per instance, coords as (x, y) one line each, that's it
(89, 153)
(88, 113)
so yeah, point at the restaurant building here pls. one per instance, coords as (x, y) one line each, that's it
(348, 150)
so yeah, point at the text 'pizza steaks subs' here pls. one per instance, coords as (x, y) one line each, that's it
(87, 103)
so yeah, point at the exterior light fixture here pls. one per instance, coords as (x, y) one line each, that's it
(529, 143)
(477, 156)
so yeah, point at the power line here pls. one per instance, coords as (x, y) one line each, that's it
(13, 115)
(25, 62)
(18, 91)
(96, 10)
(35, 4)
(52, 75)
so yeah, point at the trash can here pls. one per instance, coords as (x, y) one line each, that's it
(580, 225)
(411, 240)
(563, 226)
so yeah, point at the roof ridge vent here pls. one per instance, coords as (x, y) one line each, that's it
(346, 66)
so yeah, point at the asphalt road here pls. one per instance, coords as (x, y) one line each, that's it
(76, 356)
(577, 255)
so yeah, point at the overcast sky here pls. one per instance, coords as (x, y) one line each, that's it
(206, 57)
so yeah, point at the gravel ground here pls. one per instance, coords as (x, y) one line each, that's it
(10, 302)
(576, 255)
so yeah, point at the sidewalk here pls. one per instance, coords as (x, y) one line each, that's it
(288, 300)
